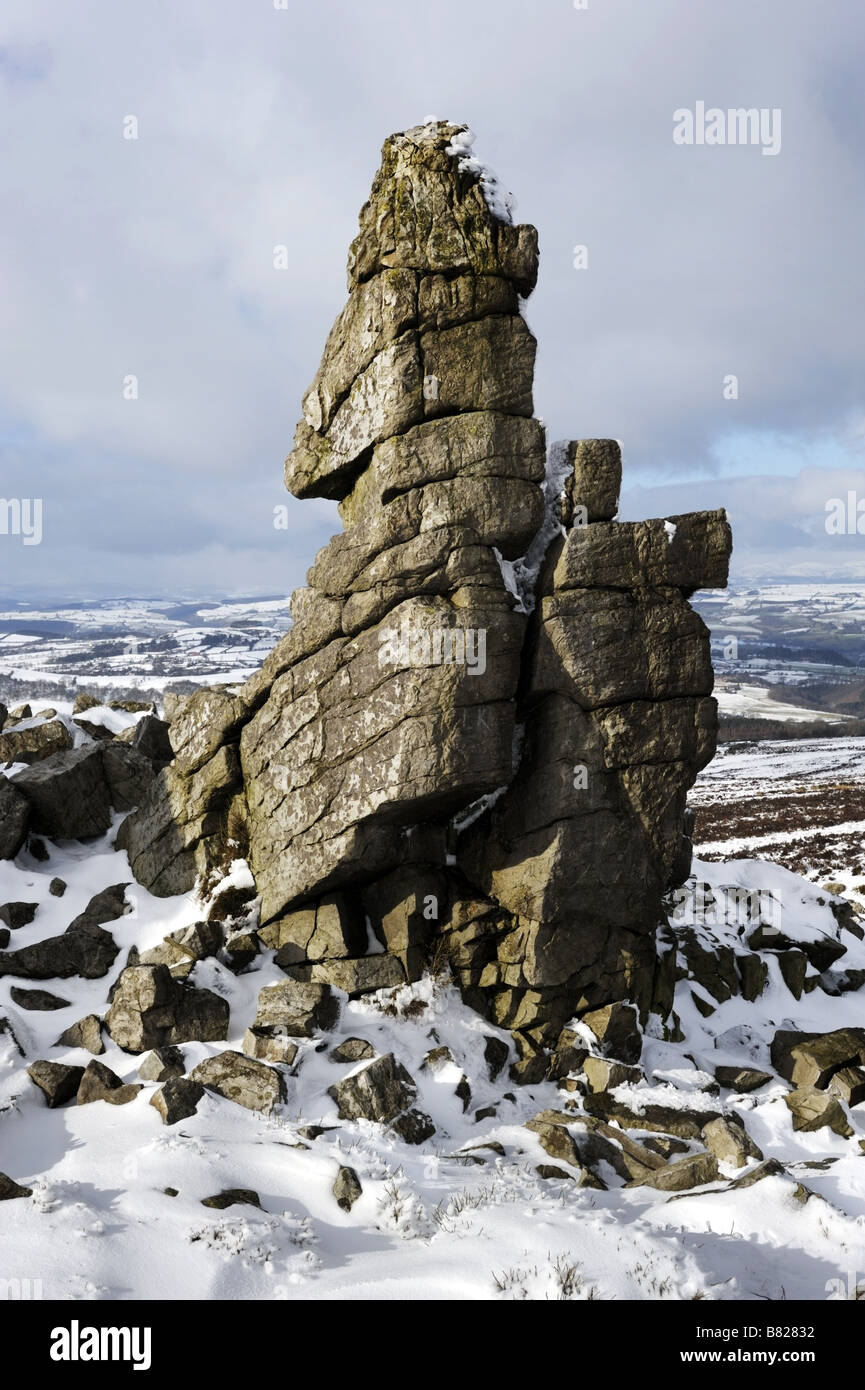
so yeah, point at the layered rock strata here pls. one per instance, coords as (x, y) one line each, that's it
(478, 736)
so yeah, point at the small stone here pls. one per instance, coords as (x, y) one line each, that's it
(438, 1058)
(233, 1197)
(17, 915)
(57, 887)
(496, 1055)
(315, 1131)
(742, 1080)
(353, 1050)
(347, 1188)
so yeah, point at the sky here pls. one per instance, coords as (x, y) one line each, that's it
(260, 127)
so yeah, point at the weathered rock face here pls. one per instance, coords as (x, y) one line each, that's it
(479, 735)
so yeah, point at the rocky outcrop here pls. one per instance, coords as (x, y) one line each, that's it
(150, 1009)
(477, 739)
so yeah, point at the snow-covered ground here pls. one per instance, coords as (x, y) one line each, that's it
(464, 1216)
(755, 702)
(798, 802)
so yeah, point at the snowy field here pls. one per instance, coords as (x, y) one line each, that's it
(755, 702)
(800, 803)
(464, 1216)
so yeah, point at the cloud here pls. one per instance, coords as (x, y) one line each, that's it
(260, 127)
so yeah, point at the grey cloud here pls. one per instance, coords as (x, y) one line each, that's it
(260, 127)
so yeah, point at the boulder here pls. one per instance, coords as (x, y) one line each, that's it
(811, 1059)
(354, 977)
(353, 1050)
(150, 1009)
(101, 1083)
(372, 772)
(85, 949)
(383, 1092)
(594, 480)
(241, 1079)
(814, 1109)
(17, 915)
(37, 1000)
(150, 738)
(496, 1055)
(270, 1045)
(86, 1033)
(617, 1030)
(9, 1189)
(35, 743)
(662, 1119)
(730, 1142)
(84, 701)
(300, 1010)
(685, 1173)
(68, 794)
(162, 1064)
(128, 773)
(177, 1099)
(57, 1082)
(413, 1127)
(848, 1085)
(554, 1137)
(14, 819)
(604, 1075)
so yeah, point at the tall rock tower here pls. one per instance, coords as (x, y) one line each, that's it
(477, 739)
